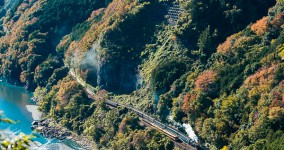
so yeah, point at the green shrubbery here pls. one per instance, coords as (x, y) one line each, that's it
(230, 92)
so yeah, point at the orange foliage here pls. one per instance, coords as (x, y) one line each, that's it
(227, 44)
(260, 83)
(15, 30)
(260, 26)
(186, 106)
(234, 41)
(264, 76)
(95, 13)
(277, 95)
(23, 77)
(32, 21)
(204, 80)
(23, 7)
(111, 16)
(66, 90)
(173, 37)
(122, 127)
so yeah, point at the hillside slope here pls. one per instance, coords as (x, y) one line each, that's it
(219, 68)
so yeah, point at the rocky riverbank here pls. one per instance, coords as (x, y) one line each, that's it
(50, 129)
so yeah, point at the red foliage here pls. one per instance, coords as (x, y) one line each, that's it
(278, 93)
(186, 106)
(204, 80)
(277, 22)
(277, 103)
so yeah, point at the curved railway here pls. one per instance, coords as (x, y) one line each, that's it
(174, 134)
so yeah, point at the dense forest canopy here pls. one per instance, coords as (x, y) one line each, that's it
(219, 67)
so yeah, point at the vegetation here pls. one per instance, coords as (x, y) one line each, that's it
(219, 69)
(21, 142)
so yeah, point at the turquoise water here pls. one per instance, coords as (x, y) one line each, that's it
(13, 102)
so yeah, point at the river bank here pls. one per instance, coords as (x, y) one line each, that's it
(51, 129)
(16, 100)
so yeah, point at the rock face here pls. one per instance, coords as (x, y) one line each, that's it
(119, 77)
(51, 132)
(113, 75)
(56, 132)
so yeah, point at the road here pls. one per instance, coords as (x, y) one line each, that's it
(184, 141)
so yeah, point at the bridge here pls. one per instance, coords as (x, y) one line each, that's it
(174, 134)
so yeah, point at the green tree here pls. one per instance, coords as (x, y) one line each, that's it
(20, 142)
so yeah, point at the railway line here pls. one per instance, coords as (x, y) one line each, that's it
(172, 133)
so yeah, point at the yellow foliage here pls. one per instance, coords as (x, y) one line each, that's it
(264, 76)
(260, 83)
(281, 51)
(191, 77)
(224, 148)
(276, 113)
(65, 92)
(221, 126)
(234, 42)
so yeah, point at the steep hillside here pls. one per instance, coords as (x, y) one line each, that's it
(236, 100)
(219, 68)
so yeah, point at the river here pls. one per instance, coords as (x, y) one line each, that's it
(14, 102)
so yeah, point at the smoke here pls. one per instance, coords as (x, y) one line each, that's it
(190, 132)
(187, 127)
(75, 59)
(139, 80)
(91, 58)
(85, 60)
(87, 64)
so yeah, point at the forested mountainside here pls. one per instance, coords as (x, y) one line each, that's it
(219, 67)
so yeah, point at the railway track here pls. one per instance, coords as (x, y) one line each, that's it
(179, 138)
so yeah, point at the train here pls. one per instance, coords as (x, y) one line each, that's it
(112, 103)
(175, 135)
(172, 133)
(163, 128)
